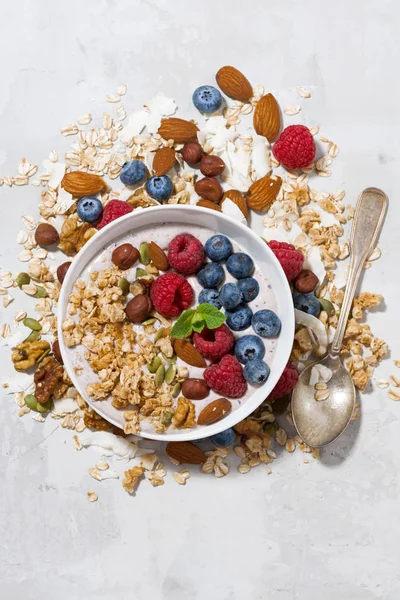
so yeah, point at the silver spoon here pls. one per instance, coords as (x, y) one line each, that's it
(320, 422)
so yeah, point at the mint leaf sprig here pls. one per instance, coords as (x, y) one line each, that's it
(205, 315)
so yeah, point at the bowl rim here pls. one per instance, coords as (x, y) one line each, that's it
(94, 246)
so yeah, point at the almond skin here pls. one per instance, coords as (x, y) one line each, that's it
(185, 452)
(234, 84)
(209, 204)
(209, 188)
(263, 193)
(267, 117)
(189, 354)
(214, 411)
(80, 184)
(164, 160)
(237, 198)
(158, 257)
(179, 130)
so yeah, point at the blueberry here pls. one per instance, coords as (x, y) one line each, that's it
(90, 209)
(230, 296)
(224, 438)
(308, 303)
(240, 265)
(266, 323)
(256, 371)
(210, 296)
(211, 275)
(133, 172)
(207, 99)
(249, 347)
(218, 247)
(249, 288)
(239, 318)
(159, 188)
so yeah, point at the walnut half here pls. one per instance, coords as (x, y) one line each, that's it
(25, 355)
(47, 378)
(74, 236)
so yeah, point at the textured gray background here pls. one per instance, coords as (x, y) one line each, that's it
(328, 529)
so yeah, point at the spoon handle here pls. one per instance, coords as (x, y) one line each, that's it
(367, 223)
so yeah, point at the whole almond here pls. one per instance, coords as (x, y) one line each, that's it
(164, 160)
(62, 270)
(234, 84)
(192, 153)
(158, 257)
(139, 308)
(209, 204)
(214, 411)
(306, 281)
(211, 166)
(46, 235)
(237, 198)
(263, 192)
(209, 188)
(189, 354)
(79, 184)
(267, 117)
(185, 452)
(195, 389)
(179, 130)
(125, 256)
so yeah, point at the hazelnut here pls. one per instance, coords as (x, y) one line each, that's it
(46, 235)
(125, 256)
(209, 188)
(57, 352)
(195, 389)
(211, 166)
(62, 271)
(139, 308)
(306, 281)
(192, 153)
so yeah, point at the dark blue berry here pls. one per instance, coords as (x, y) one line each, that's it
(308, 303)
(239, 318)
(90, 209)
(133, 172)
(240, 265)
(266, 323)
(230, 296)
(210, 296)
(256, 371)
(159, 188)
(211, 275)
(249, 347)
(207, 99)
(218, 247)
(223, 438)
(249, 288)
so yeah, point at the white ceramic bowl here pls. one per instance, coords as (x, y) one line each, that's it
(248, 241)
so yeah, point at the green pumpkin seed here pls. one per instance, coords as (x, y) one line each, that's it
(327, 306)
(160, 375)
(271, 427)
(40, 292)
(31, 402)
(124, 285)
(32, 324)
(141, 273)
(144, 253)
(43, 408)
(167, 417)
(175, 390)
(169, 359)
(160, 333)
(155, 363)
(32, 337)
(45, 353)
(170, 374)
(149, 321)
(22, 279)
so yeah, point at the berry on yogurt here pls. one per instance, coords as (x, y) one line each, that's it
(256, 371)
(211, 275)
(230, 296)
(240, 265)
(133, 172)
(239, 318)
(210, 296)
(249, 347)
(159, 188)
(249, 288)
(266, 323)
(207, 99)
(90, 209)
(218, 247)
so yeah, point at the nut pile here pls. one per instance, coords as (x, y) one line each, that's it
(240, 174)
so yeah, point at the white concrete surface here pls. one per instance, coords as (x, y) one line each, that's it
(324, 530)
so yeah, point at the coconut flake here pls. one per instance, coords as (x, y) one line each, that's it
(135, 125)
(231, 209)
(320, 374)
(314, 263)
(65, 405)
(109, 442)
(260, 163)
(56, 171)
(19, 382)
(14, 339)
(315, 325)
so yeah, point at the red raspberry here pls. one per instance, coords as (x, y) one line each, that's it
(286, 382)
(186, 254)
(113, 210)
(214, 343)
(295, 147)
(171, 294)
(226, 377)
(291, 259)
